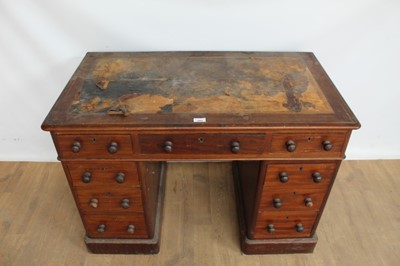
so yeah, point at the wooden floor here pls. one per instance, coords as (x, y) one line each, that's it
(40, 225)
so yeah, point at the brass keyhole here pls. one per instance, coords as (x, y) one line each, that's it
(201, 140)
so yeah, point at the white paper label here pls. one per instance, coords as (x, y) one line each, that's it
(199, 119)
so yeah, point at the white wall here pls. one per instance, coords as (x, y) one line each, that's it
(42, 42)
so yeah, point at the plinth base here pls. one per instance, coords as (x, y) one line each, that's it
(123, 246)
(278, 246)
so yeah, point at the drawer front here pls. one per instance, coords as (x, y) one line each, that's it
(116, 226)
(299, 175)
(94, 146)
(108, 200)
(304, 145)
(105, 174)
(284, 224)
(202, 143)
(280, 199)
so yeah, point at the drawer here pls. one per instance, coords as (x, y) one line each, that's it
(304, 145)
(94, 146)
(104, 174)
(115, 226)
(202, 143)
(284, 224)
(282, 199)
(107, 199)
(304, 175)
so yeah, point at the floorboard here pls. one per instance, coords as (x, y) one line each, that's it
(40, 225)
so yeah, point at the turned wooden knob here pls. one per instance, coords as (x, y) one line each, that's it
(76, 147)
(299, 228)
(277, 203)
(94, 203)
(131, 229)
(235, 146)
(308, 202)
(327, 145)
(86, 177)
(101, 228)
(112, 147)
(125, 203)
(316, 177)
(290, 146)
(168, 146)
(283, 177)
(120, 178)
(270, 228)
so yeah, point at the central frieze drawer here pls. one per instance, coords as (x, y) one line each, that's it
(202, 143)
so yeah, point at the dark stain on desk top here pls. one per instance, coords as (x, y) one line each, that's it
(201, 85)
(225, 87)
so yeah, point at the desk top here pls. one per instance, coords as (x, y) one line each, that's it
(197, 89)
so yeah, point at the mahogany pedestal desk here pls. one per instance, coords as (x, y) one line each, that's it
(276, 116)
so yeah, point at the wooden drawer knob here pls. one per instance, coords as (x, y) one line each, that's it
(308, 202)
(120, 178)
(94, 203)
(86, 177)
(283, 177)
(168, 146)
(235, 146)
(290, 146)
(327, 145)
(299, 228)
(131, 229)
(101, 228)
(112, 147)
(125, 203)
(277, 203)
(270, 228)
(317, 177)
(76, 147)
